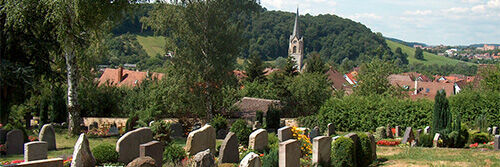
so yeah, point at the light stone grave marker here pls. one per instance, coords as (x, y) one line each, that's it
(258, 140)
(289, 153)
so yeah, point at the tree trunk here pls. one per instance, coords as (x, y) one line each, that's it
(74, 119)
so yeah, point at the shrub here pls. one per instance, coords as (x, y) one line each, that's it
(442, 115)
(458, 139)
(242, 131)
(343, 152)
(131, 123)
(219, 122)
(105, 153)
(260, 116)
(271, 159)
(480, 137)
(161, 131)
(273, 117)
(425, 140)
(273, 140)
(380, 133)
(364, 157)
(173, 153)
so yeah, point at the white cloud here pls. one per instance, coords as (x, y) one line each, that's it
(478, 9)
(493, 4)
(418, 12)
(471, 1)
(456, 10)
(358, 16)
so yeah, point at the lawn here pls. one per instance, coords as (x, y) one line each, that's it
(153, 45)
(417, 156)
(429, 57)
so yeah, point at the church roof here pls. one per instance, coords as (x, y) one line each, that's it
(296, 29)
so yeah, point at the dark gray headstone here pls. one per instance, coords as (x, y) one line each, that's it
(113, 130)
(177, 130)
(153, 149)
(314, 133)
(221, 133)
(228, 152)
(409, 136)
(15, 142)
(330, 130)
(284, 133)
(373, 145)
(354, 137)
(388, 132)
(93, 125)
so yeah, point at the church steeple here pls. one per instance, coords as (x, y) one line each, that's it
(296, 30)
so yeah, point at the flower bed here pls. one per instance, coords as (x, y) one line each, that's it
(388, 142)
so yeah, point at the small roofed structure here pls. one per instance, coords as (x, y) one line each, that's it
(122, 77)
(248, 106)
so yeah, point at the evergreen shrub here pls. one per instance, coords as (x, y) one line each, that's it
(425, 140)
(364, 156)
(242, 131)
(271, 159)
(380, 133)
(342, 152)
(273, 117)
(105, 153)
(219, 122)
(173, 153)
(480, 137)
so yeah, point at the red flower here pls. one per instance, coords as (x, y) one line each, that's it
(261, 155)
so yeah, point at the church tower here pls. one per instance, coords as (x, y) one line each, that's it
(296, 45)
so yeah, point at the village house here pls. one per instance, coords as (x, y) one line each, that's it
(123, 77)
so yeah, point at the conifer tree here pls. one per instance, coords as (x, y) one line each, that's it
(442, 116)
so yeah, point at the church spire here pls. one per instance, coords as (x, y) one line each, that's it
(296, 30)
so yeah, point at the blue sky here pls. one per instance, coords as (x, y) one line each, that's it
(434, 22)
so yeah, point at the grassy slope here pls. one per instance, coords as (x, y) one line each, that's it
(152, 44)
(429, 57)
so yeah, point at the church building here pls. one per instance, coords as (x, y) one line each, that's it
(296, 45)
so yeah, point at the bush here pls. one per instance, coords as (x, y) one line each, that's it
(273, 140)
(364, 157)
(260, 116)
(131, 123)
(480, 137)
(242, 131)
(425, 140)
(161, 131)
(271, 159)
(105, 153)
(173, 153)
(219, 122)
(343, 152)
(458, 139)
(441, 119)
(273, 117)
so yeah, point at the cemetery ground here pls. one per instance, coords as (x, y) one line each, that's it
(386, 155)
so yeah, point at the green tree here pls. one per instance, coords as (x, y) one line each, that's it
(314, 64)
(441, 116)
(491, 78)
(205, 37)
(255, 68)
(373, 78)
(290, 67)
(419, 54)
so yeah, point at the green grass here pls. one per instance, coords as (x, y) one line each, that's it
(429, 57)
(417, 156)
(153, 45)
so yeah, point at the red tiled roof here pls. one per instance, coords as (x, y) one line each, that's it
(240, 74)
(337, 79)
(269, 71)
(425, 89)
(129, 78)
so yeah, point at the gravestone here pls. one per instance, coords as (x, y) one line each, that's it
(490, 130)
(397, 131)
(282, 123)
(284, 133)
(221, 133)
(48, 134)
(93, 125)
(256, 125)
(304, 130)
(151, 123)
(128, 145)
(228, 152)
(419, 132)
(35, 150)
(321, 150)
(153, 149)
(204, 159)
(53, 162)
(494, 130)
(258, 140)
(497, 143)
(388, 132)
(330, 130)
(354, 137)
(427, 130)
(314, 133)
(176, 130)
(113, 130)
(335, 138)
(435, 141)
(82, 156)
(373, 145)
(15, 142)
(289, 153)
(380, 133)
(142, 162)
(251, 160)
(200, 140)
(409, 136)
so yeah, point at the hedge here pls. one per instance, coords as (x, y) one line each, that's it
(343, 152)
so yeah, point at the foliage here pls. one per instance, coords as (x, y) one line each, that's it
(364, 156)
(373, 79)
(314, 64)
(480, 137)
(219, 122)
(273, 117)
(366, 113)
(271, 159)
(441, 115)
(419, 54)
(161, 131)
(477, 108)
(173, 153)
(343, 152)
(459, 138)
(491, 78)
(304, 141)
(380, 133)
(255, 69)
(100, 101)
(259, 116)
(105, 153)
(425, 140)
(273, 141)
(309, 91)
(242, 131)
(131, 123)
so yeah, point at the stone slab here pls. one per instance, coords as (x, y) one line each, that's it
(15, 142)
(200, 140)
(289, 153)
(229, 149)
(258, 140)
(35, 150)
(48, 134)
(153, 149)
(284, 133)
(128, 145)
(321, 150)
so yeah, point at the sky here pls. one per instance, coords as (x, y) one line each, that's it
(434, 22)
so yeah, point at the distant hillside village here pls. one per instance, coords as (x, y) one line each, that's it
(485, 52)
